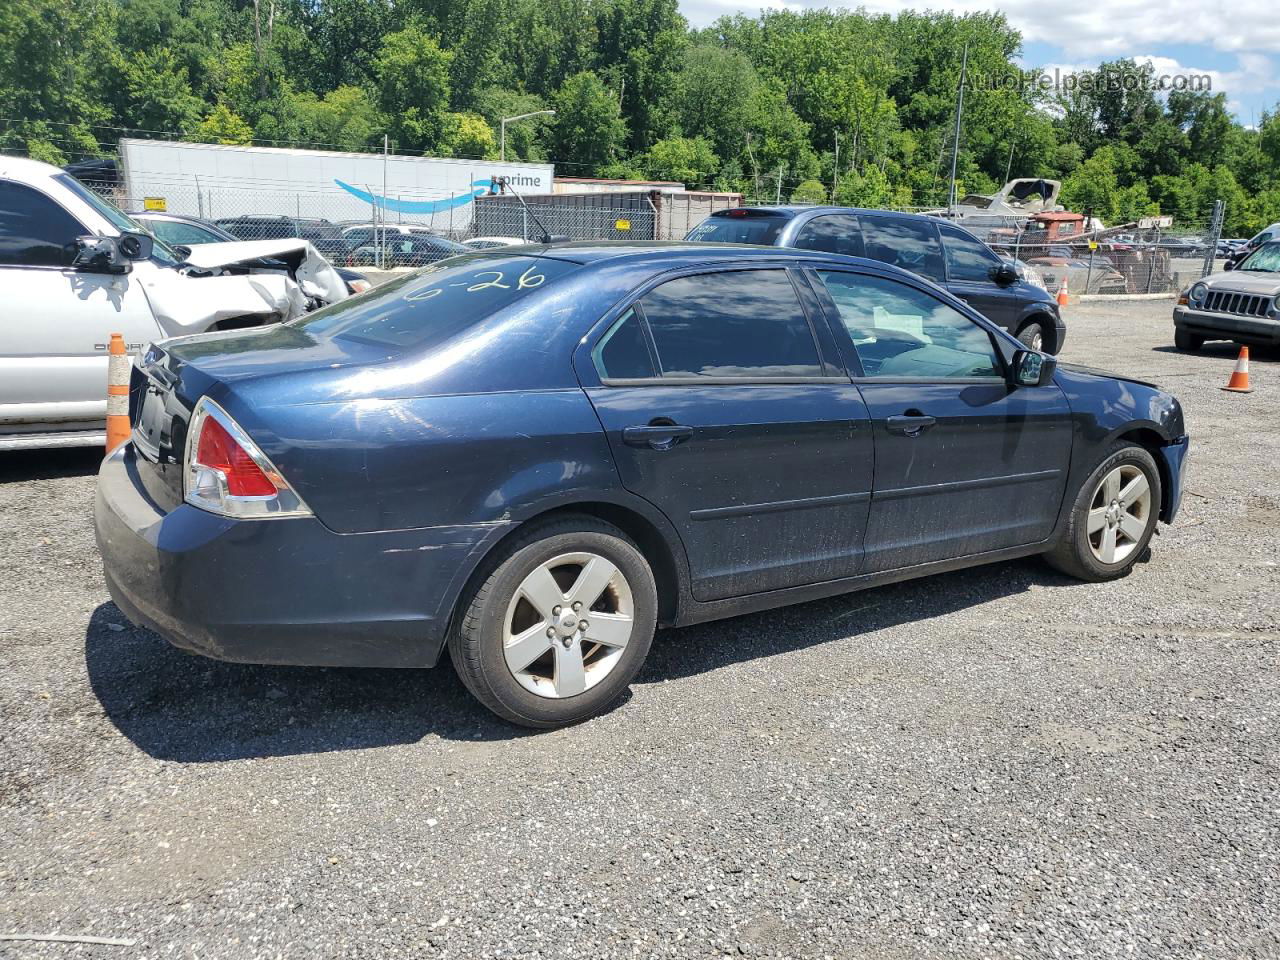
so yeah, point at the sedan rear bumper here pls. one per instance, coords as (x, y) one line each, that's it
(281, 591)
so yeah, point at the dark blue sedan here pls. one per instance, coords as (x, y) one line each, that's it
(537, 455)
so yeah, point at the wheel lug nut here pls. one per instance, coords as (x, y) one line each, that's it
(555, 611)
(582, 625)
(551, 631)
(577, 605)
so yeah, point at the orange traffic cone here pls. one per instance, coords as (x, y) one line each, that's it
(1239, 382)
(1062, 292)
(117, 393)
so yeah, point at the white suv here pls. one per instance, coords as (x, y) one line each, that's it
(74, 270)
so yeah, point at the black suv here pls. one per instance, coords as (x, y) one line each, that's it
(937, 250)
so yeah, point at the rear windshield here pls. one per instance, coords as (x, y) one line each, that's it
(429, 306)
(719, 228)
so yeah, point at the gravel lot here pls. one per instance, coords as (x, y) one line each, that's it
(993, 763)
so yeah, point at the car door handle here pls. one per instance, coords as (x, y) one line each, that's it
(910, 424)
(656, 437)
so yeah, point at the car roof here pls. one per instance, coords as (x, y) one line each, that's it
(671, 254)
(794, 210)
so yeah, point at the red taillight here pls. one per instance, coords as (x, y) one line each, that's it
(217, 450)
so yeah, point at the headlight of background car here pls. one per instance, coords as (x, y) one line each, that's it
(1197, 293)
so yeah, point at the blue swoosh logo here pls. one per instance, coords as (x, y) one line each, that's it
(419, 206)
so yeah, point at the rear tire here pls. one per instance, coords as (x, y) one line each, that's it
(1113, 516)
(541, 667)
(1186, 341)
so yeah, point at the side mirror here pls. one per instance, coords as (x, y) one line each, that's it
(1004, 274)
(1032, 369)
(136, 246)
(1229, 265)
(100, 255)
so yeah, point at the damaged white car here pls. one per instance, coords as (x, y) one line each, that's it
(74, 270)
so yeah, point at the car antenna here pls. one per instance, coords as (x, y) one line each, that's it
(547, 237)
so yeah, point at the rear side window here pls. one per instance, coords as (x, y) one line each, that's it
(836, 233)
(623, 352)
(430, 306)
(740, 323)
(910, 244)
(901, 332)
(735, 227)
(967, 258)
(35, 231)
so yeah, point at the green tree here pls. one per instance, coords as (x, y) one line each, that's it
(809, 191)
(413, 86)
(588, 130)
(345, 118)
(690, 161)
(468, 135)
(221, 125)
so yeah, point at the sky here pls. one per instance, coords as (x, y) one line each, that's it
(1237, 45)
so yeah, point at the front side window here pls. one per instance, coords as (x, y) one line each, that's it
(900, 332)
(35, 231)
(967, 257)
(740, 323)
(909, 244)
(835, 233)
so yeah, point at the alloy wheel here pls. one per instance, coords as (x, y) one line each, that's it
(568, 625)
(1119, 513)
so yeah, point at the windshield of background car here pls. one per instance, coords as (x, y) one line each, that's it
(432, 305)
(161, 252)
(1265, 258)
(747, 228)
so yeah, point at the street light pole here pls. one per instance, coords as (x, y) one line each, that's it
(502, 126)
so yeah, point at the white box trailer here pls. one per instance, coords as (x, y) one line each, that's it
(216, 181)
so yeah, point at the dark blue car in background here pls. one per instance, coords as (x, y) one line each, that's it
(537, 455)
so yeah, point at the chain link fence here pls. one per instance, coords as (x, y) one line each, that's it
(1126, 260)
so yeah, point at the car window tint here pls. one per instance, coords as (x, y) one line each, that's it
(184, 233)
(35, 231)
(899, 331)
(741, 323)
(967, 258)
(357, 237)
(622, 353)
(910, 244)
(837, 233)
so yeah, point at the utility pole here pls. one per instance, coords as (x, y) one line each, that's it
(955, 147)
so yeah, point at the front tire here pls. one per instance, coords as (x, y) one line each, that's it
(559, 626)
(1113, 517)
(1032, 336)
(1186, 341)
